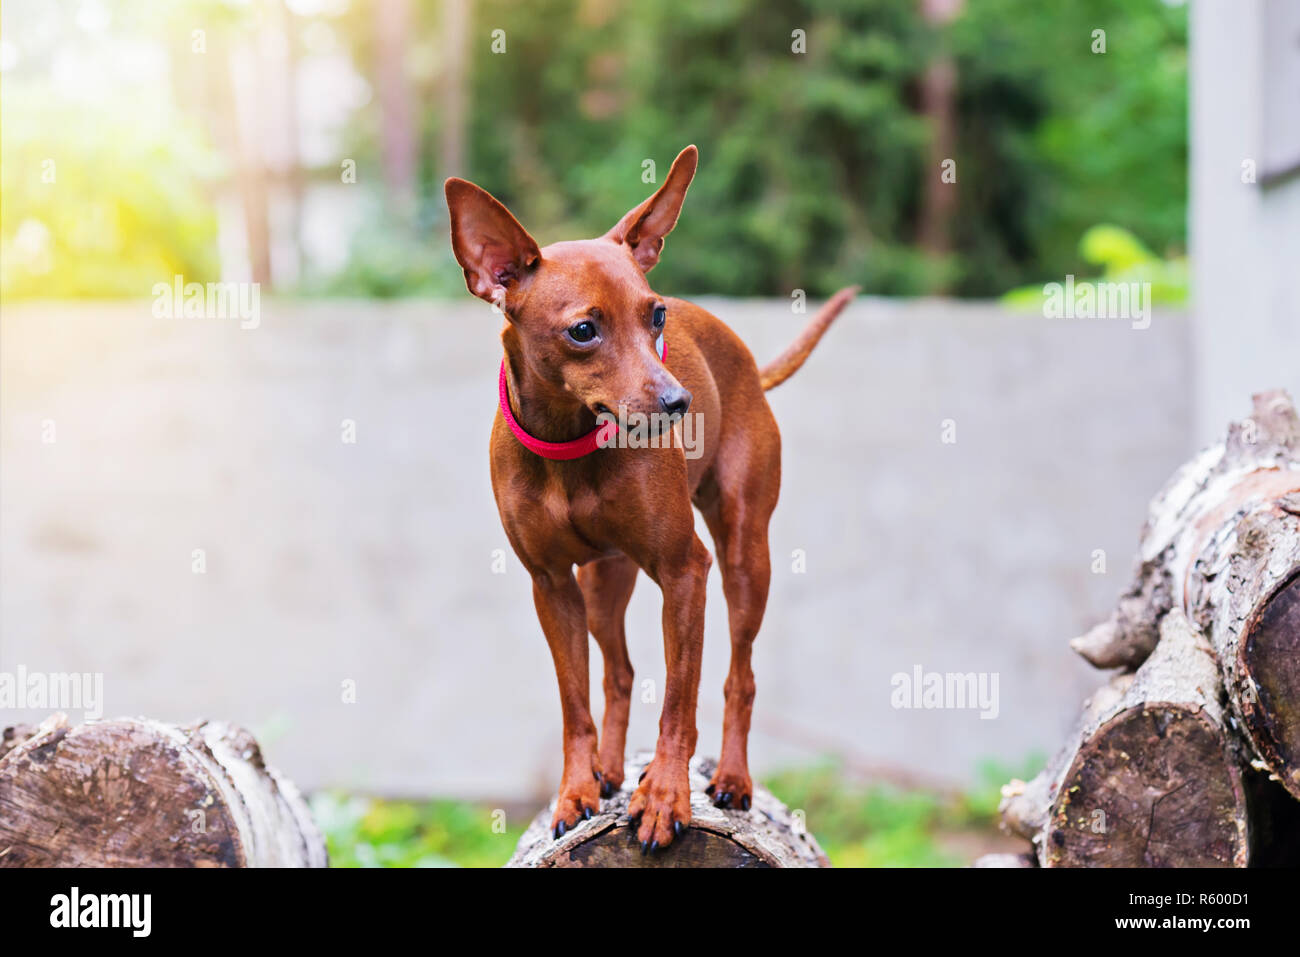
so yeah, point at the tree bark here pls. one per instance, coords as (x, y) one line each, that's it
(1245, 590)
(767, 835)
(138, 793)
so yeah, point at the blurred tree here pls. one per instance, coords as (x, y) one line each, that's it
(1057, 135)
(819, 124)
(239, 124)
(294, 172)
(397, 113)
(938, 104)
(100, 204)
(818, 157)
(105, 191)
(810, 147)
(454, 30)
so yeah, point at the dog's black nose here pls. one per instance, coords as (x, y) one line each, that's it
(675, 401)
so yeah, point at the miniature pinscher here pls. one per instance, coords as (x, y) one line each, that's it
(586, 335)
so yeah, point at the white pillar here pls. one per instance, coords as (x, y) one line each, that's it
(1245, 236)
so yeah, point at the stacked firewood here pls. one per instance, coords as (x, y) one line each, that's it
(1190, 754)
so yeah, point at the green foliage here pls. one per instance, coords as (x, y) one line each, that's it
(105, 184)
(872, 826)
(1056, 135)
(978, 807)
(1123, 259)
(813, 164)
(880, 825)
(366, 832)
(808, 160)
(885, 826)
(125, 209)
(390, 258)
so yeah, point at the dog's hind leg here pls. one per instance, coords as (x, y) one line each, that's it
(737, 509)
(607, 585)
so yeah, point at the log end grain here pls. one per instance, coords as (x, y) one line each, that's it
(1270, 655)
(1154, 787)
(132, 792)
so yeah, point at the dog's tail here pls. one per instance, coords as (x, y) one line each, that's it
(788, 362)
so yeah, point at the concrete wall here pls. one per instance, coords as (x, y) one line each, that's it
(1245, 236)
(372, 562)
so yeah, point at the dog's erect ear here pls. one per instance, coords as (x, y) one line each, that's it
(644, 228)
(490, 245)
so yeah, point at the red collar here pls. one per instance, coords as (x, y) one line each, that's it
(597, 438)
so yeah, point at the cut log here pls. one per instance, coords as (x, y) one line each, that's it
(1151, 777)
(1190, 760)
(138, 793)
(1257, 464)
(767, 835)
(1222, 543)
(1245, 593)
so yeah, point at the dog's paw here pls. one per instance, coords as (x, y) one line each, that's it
(577, 802)
(661, 804)
(570, 809)
(731, 789)
(612, 779)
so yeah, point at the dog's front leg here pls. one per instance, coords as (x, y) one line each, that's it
(564, 622)
(663, 798)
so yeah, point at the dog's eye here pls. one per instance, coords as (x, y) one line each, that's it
(660, 317)
(582, 332)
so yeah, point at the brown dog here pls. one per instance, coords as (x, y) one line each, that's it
(584, 337)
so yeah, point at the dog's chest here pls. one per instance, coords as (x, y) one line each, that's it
(563, 522)
(559, 505)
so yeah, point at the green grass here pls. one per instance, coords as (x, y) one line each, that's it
(370, 832)
(857, 824)
(882, 825)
